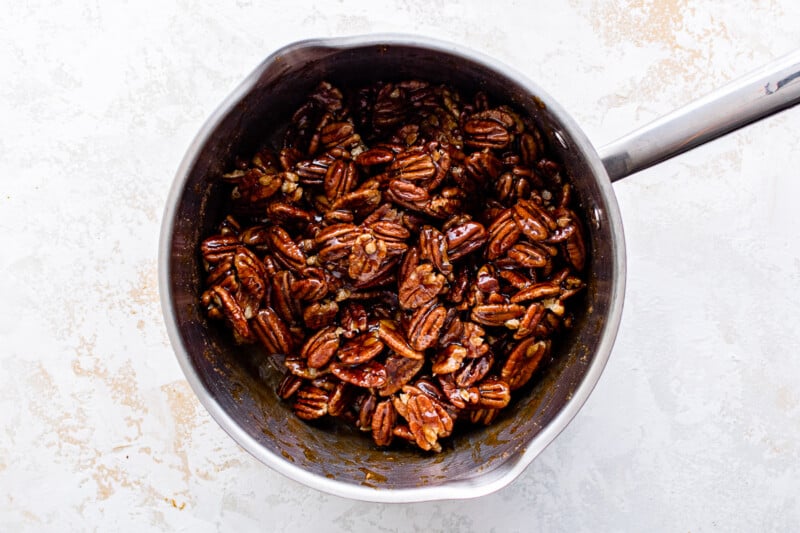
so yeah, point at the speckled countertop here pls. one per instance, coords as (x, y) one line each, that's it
(695, 424)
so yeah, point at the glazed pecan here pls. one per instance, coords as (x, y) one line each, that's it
(383, 422)
(503, 234)
(427, 419)
(496, 314)
(433, 248)
(494, 393)
(389, 333)
(320, 314)
(310, 402)
(340, 178)
(523, 361)
(367, 375)
(272, 332)
(425, 324)
(409, 253)
(321, 347)
(465, 238)
(399, 371)
(360, 349)
(420, 287)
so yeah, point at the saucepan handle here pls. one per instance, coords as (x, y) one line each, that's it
(766, 91)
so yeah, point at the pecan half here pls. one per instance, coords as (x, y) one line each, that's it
(272, 332)
(425, 324)
(383, 422)
(389, 333)
(310, 402)
(360, 349)
(523, 361)
(368, 375)
(420, 287)
(320, 348)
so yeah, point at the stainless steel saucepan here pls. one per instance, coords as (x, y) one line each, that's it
(226, 377)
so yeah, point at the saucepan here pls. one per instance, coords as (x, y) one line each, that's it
(231, 381)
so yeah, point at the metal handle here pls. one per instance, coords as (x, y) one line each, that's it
(758, 95)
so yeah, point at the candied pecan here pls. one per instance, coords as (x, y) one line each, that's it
(360, 349)
(486, 279)
(482, 168)
(458, 287)
(390, 231)
(297, 366)
(310, 402)
(530, 320)
(574, 245)
(391, 336)
(383, 422)
(406, 194)
(445, 204)
(312, 171)
(449, 359)
(425, 324)
(384, 275)
(402, 431)
(458, 396)
(496, 314)
(415, 164)
(420, 287)
(361, 201)
(339, 134)
(399, 371)
(366, 258)
(368, 375)
(473, 370)
(281, 299)
(289, 385)
(284, 249)
(464, 239)
(320, 314)
(354, 319)
(409, 263)
(320, 348)
(523, 361)
(335, 241)
(408, 253)
(537, 291)
(218, 247)
(493, 128)
(256, 186)
(427, 419)
(483, 416)
(340, 178)
(528, 255)
(219, 303)
(309, 289)
(433, 248)
(366, 409)
(377, 155)
(272, 332)
(503, 234)
(533, 221)
(494, 393)
(340, 398)
(389, 108)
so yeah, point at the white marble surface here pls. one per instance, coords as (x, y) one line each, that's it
(695, 424)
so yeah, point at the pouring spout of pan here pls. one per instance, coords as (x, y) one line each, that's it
(762, 93)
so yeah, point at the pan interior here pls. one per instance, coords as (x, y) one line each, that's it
(237, 379)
